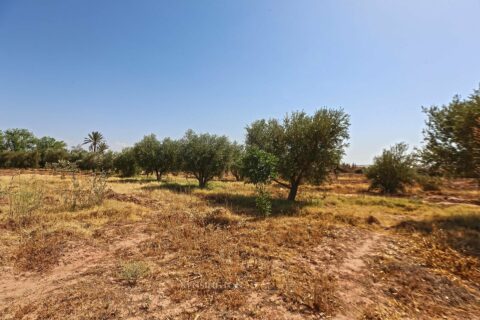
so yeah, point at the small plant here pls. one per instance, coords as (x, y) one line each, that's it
(98, 189)
(324, 297)
(259, 167)
(263, 201)
(132, 271)
(87, 194)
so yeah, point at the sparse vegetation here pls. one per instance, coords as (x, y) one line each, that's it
(147, 246)
(175, 250)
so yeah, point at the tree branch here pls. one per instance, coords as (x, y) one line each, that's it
(282, 184)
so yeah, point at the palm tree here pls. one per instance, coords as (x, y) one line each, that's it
(94, 139)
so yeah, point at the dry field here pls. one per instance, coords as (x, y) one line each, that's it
(138, 249)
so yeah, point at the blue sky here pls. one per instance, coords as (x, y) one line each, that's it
(130, 68)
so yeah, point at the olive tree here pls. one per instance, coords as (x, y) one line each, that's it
(308, 147)
(205, 155)
(392, 170)
(156, 156)
(451, 136)
(124, 163)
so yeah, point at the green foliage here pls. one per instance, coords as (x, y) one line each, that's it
(2, 141)
(51, 150)
(428, 183)
(392, 170)
(452, 137)
(18, 140)
(125, 163)
(19, 159)
(307, 147)
(132, 271)
(263, 201)
(238, 152)
(155, 156)
(205, 155)
(259, 166)
(96, 142)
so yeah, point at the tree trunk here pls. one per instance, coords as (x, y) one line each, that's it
(158, 175)
(293, 191)
(202, 183)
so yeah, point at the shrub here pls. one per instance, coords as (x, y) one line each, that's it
(429, 183)
(263, 201)
(132, 271)
(125, 164)
(19, 159)
(260, 167)
(85, 194)
(392, 170)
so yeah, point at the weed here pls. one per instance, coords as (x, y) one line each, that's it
(85, 194)
(132, 271)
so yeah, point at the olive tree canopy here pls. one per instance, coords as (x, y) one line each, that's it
(307, 147)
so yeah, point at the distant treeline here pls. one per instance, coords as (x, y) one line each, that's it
(20, 148)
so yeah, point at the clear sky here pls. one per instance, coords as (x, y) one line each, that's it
(130, 68)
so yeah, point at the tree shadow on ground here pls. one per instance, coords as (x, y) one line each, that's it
(461, 232)
(174, 187)
(134, 180)
(245, 204)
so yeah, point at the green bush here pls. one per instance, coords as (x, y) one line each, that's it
(392, 170)
(263, 201)
(260, 167)
(428, 183)
(125, 164)
(132, 271)
(19, 159)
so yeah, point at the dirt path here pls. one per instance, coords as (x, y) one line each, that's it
(350, 273)
(69, 271)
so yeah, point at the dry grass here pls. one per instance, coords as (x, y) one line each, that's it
(173, 251)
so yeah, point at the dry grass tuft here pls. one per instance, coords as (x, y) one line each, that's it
(39, 251)
(132, 271)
